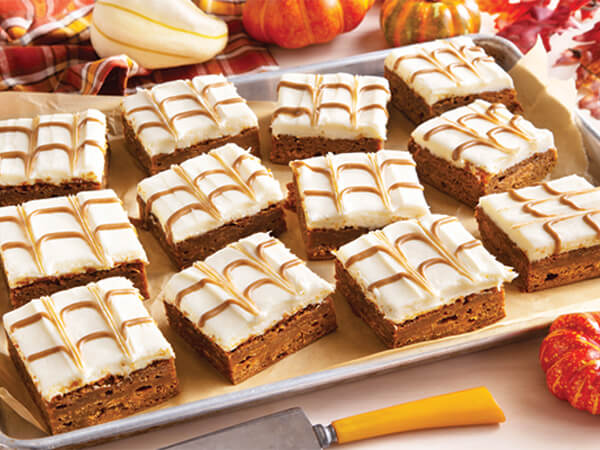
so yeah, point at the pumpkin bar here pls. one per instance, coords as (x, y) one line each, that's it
(62, 242)
(198, 207)
(249, 305)
(421, 279)
(91, 354)
(479, 149)
(177, 120)
(52, 155)
(550, 233)
(433, 77)
(336, 113)
(339, 197)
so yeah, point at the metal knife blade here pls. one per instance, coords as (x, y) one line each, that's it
(285, 430)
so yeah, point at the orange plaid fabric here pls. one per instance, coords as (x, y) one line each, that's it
(44, 46)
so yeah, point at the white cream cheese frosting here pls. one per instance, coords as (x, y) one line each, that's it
(486, 135)
(53, 148)
(65, 235)
(266, 281)
(554, 217)
(359, 189)
(334, 106)
(446, 68)
(226, 184)
(182, 113)
(415, 266)
(78, 336)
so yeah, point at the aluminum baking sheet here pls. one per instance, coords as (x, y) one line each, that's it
(263, 87)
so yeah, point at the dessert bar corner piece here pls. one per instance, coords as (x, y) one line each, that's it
(340, 197)
(62, 242)
(180, 119)
(337, 113)
(421, 279)
(249, 305)
(433, 77)
(52, 155)
(479, 149)
(198, 207)
(550, 233)
(91, 354)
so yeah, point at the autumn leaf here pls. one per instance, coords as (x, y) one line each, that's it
(587, 55)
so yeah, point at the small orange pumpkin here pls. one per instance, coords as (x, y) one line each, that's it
(298, 23)
(570, 357)
(409, 21)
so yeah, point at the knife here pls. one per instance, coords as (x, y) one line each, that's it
(291, 429)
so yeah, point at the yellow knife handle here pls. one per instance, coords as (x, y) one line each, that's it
(471, 407)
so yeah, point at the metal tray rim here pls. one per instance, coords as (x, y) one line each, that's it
(299, 384)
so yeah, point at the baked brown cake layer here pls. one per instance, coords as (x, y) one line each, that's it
(465, 314)
(286, 148)
(196, 248)
(555, 270)
(152, 165)
(418, 110)
(135, 271)
(318, 242)
(17, 194)
(469, 183)
(259, 352)
(111, 398)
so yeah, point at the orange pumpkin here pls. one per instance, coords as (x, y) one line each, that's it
(408, 21)
(570, 357)
(298, 23)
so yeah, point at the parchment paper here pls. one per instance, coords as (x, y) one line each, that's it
(547, 105)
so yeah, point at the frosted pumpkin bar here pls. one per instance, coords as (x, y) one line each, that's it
(90, 354)
(339, 197)
(433, 77)
(331, 113)
(52, 155)
(61, 242)
(421, 279)
(180, 119)
(198, 207)
(550, 233)
(249, 305)
(479, 149)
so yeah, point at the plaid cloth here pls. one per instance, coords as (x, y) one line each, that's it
(44, 46)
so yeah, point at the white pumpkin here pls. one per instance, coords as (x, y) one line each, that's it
(156, 33)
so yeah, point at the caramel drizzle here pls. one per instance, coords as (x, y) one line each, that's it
(203, 201)
(73, 150)
(75, 210)
(134, 322)
(374, 169)
(257, 261)
(394, 250)
(550, 219)
(316, 93)
(487, 140)
(446, 70)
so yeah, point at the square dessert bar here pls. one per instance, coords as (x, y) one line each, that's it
(431, 78)
(52, 155)
(421, 279)
(177, 120)
(340, 197)
(209, 201)
(479, 149)
(249, 305)
(57, 243)
(550, 233)
(91, 354)
(337, 113)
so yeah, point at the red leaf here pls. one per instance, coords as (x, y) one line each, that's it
(540, 21)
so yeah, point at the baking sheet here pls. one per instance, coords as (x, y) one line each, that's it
(545, 104)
